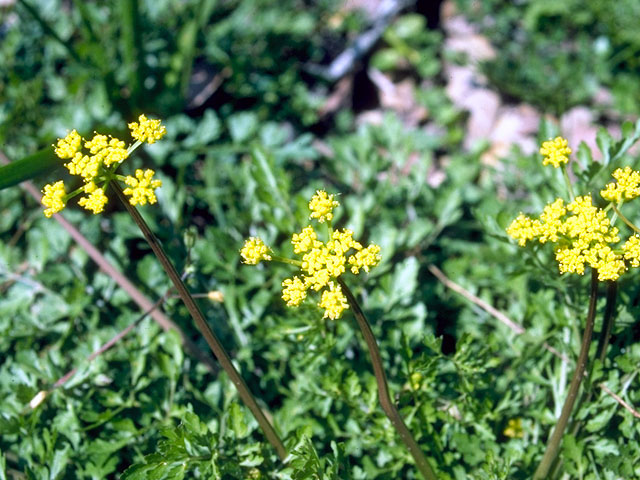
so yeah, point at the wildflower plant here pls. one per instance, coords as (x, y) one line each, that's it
(583, 233)
(97, 166)
(322, 266)
(322, 263)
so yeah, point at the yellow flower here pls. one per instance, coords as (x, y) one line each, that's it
(305, 240)
(147, 130)
(333, 301)
(632, 250)
(609, 264)
(342, 241)
(365, 258)
(322, 262)
(69, 145)
(523, 229)
(555, 152)
(54, 198)
(294, 291)
(97, 143)
(254, 251)
(95, 201)
(98, 164)
(514, 428)
(626, 187)
(115, 152)
(322, 205)
(142, 187)
(550, 221)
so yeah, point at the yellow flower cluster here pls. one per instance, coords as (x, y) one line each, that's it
(97, 165)
(556, 152)
(322, 205)
(254, 251)
(322, 262)
(626, 186)
(146, 130)
(581, 231)
(53, 198)
(142, 187)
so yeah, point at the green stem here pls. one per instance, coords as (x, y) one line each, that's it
(625, 219)
(383, 389)
(601, 352)
(288, 261)
(565, 175)
(211, 338)
(553, 445)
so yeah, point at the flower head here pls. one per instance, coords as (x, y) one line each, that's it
(146, 130)
(626, 187)
(142, 187)
(69, 145)
(322, 263)
(582, 233)
(322, 205)
(294, 291)
(514, 428)
(333, 301)
(95, 201)
(555, 152)
(98, 163)
(254, 251)
(53, 198)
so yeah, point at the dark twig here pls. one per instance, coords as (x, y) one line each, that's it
(212, 340)
(553, 446)
(387, 405)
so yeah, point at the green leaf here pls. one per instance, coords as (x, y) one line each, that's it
(35, 165)
(242, 126)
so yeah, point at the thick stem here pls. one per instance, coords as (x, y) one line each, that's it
(553, 445)
(383, 389)
(211, 338)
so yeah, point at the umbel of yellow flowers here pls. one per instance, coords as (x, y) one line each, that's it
(583, 233)
(97, 166)
(322, 262)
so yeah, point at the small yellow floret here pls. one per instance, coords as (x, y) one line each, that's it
(341, 241)
(523, 229)
(53, 198)
(115, 152)
(365, 258)
(609, 264)
(555, 151)
(632, 250)
(294, 291)
(254, 251)
(333, 301)
(514, 428)
(97, 143)
(147, 130)
(322, 205)
(142, 187)
(305, 240)
(95, 201)
(69, 145)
